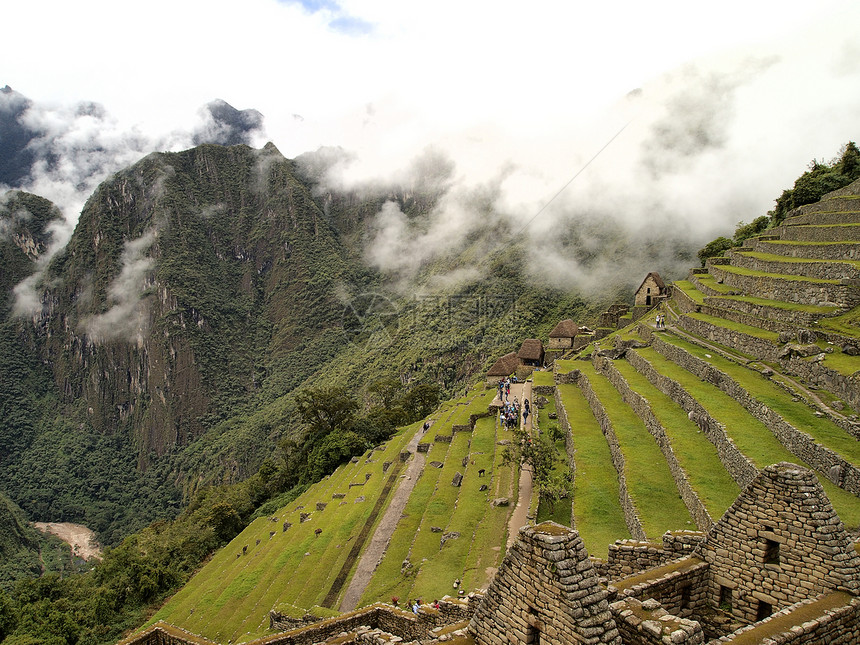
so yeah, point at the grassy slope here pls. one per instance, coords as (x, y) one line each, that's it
(648, 478)
(597, 512)
(697, 456)
(750, 435)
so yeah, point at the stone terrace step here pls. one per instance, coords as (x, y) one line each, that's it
(831, 203)
(817, 441)
(807, 268)
(808, 250)
(831, 233)
(788, 288)
(789, 314)
(706, 284)
(824, 218)
(744, 339)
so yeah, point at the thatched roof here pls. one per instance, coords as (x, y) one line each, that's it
(657, 280)
(564, 329)
(531, 350)
(505, 366)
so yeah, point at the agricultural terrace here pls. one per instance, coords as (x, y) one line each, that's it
(448, 532)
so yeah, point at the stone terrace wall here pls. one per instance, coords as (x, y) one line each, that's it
(744, 343)
(164, 634)
(741, 469)
(837, 469)
(643, 410)
(846, 387)
(787, 290)
(631, 516)
(789, 317)
(838, 626)
(818, 233)
(844, 251)
(834, 270)
(569, 446)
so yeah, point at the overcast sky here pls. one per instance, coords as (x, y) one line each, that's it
(726, 101)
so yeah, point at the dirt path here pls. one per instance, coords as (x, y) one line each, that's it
(379, 542)
(519, 518)
(79, 537)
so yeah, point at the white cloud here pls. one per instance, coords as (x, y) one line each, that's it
(735, 99)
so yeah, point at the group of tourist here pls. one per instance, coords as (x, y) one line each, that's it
(510, 414)
(661, 321)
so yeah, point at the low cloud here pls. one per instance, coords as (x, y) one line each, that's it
(128, 316)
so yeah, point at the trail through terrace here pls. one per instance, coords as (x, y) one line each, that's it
(376, 549)
(519, 518)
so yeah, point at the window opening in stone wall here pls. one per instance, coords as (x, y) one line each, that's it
(725, 598)
(771, 552)
(685, 597)
(764, 610)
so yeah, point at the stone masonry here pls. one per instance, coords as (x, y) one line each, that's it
(545, 591)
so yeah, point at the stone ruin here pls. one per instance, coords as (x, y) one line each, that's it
(777, 568)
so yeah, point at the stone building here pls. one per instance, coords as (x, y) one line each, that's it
(503, 367)
(651, 291)
(562, 335)
(531, 353)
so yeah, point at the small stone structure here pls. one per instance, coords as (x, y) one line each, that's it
(651, 291)
(503, 368)
(531, 353)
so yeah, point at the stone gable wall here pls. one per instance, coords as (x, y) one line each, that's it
(784, 506)
(741, 469)
(643, 293)
(643, 410)
(546, 584)
(631, 515)
(835, 467)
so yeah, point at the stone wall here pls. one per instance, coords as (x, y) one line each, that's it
(836, 468)
(163, 634)
(744, 343)
(786, 316)
(786, 290)
(739, 467)
(647, 623)
(818, 375)
(545, 589)
(818, 233)
(631, 516)
(821, 270)
(627, 557)
(570, 447)
(643, 410)
(838, 626)
(844, 251)
(779, 543)
(680, 586)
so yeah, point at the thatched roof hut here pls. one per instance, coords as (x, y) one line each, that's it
(564, 329)
(505, 366)
(531, 352)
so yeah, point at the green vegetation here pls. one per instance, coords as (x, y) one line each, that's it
(649, 481)
(696, 455)
(750, 435)
(556, 493)
(597, 511)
